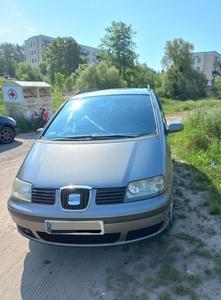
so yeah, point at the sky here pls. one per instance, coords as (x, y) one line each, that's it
(155, 23)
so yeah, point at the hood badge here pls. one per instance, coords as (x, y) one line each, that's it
(74, 199)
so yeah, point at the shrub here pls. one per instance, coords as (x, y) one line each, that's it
(24, 125)
(203, 129)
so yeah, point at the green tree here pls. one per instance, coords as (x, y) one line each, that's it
(99, 76)
(109, 77)
(25, 72)
(10, 55)
(118, 48)
(69, 83)
(144, 76)
(59, 80)
(181, 81)
(61, 56)
(197, 85)
(217, 86)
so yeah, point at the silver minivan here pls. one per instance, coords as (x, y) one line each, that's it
(100, 172)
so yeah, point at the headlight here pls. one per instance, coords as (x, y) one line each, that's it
(21, 190)
(146, 188)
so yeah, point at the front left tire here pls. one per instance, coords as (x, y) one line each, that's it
(7, 135)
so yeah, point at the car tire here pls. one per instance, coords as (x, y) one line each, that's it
(7, 135)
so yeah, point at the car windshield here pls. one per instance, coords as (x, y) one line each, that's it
(103, 117)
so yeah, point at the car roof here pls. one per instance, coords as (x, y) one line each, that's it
(118, 91)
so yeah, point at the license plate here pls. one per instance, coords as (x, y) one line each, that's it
(75, 227)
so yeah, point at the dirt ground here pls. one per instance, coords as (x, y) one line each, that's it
(183, 264)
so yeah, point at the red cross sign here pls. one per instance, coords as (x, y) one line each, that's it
(12, 94)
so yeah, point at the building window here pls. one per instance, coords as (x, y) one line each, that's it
(193, 60)
(34, 44)
(199, 59)
(198, 69)
(31, 52)
(31, 44)
(88, 52)
(34, 51)
(35, 60)
(32, 60)
(88, 60)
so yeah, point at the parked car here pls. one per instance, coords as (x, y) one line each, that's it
(100, 172)
(8, 129)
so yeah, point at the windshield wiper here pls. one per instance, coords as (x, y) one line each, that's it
(69, 138)
(115, 136)
(96, 137)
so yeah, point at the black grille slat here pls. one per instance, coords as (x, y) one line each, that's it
(108, 238)
(110, 195)
(43, 196)
(84, 195)
(143, 232)
(104, 196)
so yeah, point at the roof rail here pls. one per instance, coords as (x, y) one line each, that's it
(87, 90)
(148, 88)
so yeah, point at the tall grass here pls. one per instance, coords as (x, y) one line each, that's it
(175, 106)
(200, 145)
(58, 99)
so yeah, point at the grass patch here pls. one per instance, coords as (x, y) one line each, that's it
(218, 266)
(203, 253)
(175, 248)
(190, 238)
(194, 281)
(199, 145)
(182, 290)
(168, 273)
(165, 296)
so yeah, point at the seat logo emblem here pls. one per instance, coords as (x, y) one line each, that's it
(74, 199)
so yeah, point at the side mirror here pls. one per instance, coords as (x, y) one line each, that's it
(175, 127)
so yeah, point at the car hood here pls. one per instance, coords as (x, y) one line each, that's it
(7, 120)
(98, 164)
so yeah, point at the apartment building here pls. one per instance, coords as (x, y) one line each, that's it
(91, 54)
(209, 63)
(35, 46)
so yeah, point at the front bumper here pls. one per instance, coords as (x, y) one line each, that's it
(121, 223)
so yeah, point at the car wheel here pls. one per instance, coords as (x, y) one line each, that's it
(7, 135)
(170, 223)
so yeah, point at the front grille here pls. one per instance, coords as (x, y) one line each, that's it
(110, 195)
(104, 196)
(143, 232)
(108, 238)
(43, 196)
(84, 198)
